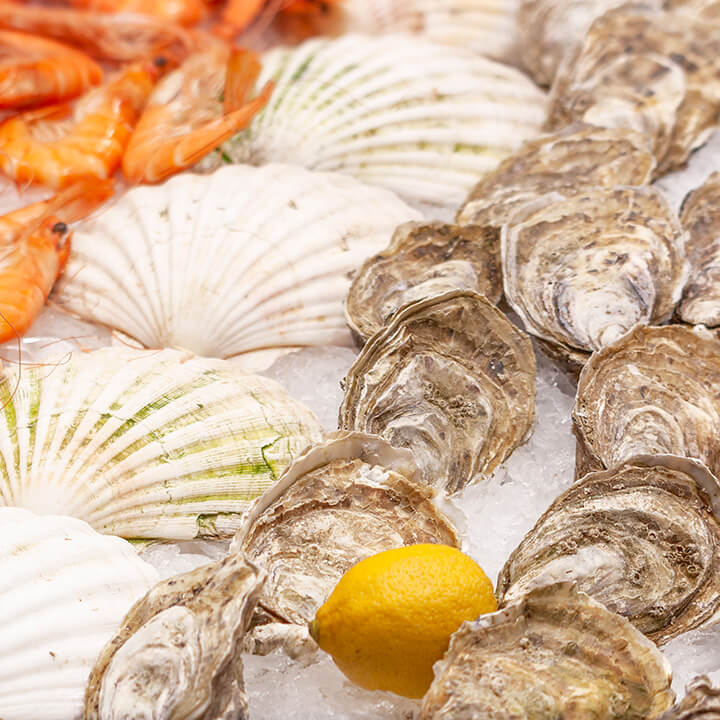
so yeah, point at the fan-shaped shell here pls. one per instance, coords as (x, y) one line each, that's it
(240, 261)
(145, 444)
(654, 391)
(701, 702)
(422, 119)
(64, 590)
(642, 538)
(451, 378)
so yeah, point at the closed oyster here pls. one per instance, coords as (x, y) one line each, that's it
(700, 304)
(642, 538)
(554, 653)
(177, 654)
(581, 271)
(423, 260)
(451, 378)
(422, 119)
(654, 391)
(222, 267)
(344, 499)
(64, 591)
(145, 444)
(701, 702)
(577, 158)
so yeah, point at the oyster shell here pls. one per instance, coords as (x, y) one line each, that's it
(701, 702)
(700, 215)
(654, 391)
(64, 590)
(422, 119)
(642, 538)
(163, 264)
(423, 260)
(451, 378)
(577, 158)
(145, 444)
(177, 654)
(554, 653)
(581, 271)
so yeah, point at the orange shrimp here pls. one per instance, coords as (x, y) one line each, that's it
(184, 12)
(56, 146)
(37, 71)
(185, 118)
(34, 247)
(238, 15)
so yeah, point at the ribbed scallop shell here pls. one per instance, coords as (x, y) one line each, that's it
(64, 590)
(243, 260)
(419, 118)
(145, 444)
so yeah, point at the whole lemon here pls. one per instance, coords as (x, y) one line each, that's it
(391, 616)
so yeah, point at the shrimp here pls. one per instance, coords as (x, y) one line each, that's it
(34, 247)
(55, 146)
(37, 71)
(184, 12)
(185, 120)
(238, 15)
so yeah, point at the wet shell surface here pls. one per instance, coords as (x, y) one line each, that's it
(422, 119)
(642, 538)
(701, 702)
(581, 271)
(64, 590)
(220, 266)
(145, 444)
(450, 378)
(423, 260)
(554, 653)
(177, 653)
(652, 392)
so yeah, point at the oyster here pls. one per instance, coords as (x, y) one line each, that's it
(642, 538)
(654, 391)
(145, 444)
(451, 378)
(581, 271)
(577, 158)
(701, 702)
(422, 260)
(177, 654)
(222, 267)
(344, 499)
(554, 653)
(64, 590)
(422, 119)
(700, 304)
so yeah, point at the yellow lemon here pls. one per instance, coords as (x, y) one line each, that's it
(391, 616)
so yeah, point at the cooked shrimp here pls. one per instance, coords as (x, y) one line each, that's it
(34, 247)
(37, 71)
(185, 12)
(185, 118)
(238, 15)
(55, 146)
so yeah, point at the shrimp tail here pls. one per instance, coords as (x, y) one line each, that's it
(243, 69)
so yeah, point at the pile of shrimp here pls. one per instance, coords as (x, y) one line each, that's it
(100, 89)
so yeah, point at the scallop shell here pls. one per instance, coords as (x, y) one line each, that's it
(221, 266)
(64, 590)
(145, 444)
(701, 702)
(422, 119)
(642, 538)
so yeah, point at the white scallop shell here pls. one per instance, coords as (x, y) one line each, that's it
(242, 260)
(64, 590)
(422, 119)
(145, 444)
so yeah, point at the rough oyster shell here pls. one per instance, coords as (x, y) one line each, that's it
(581, 271)
(220, 266)
(64, 590)
(577, 158)
(177, 654)
(701, 702)
(642, 538)
(555, 653)
(145, 444)
(654, 391)
(423, 259)
(700, 215)
(451, 378)
(422, 119)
